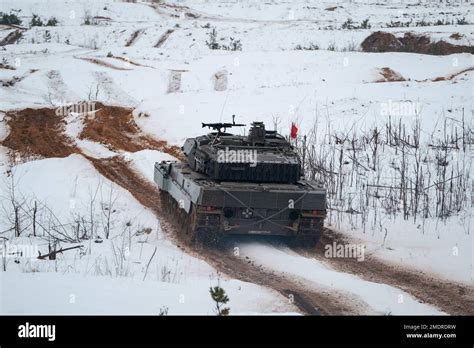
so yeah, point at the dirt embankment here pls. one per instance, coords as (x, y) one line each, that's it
(114, 127)
(450, 297)
(386, 42)
(38, 132)
(11, 38)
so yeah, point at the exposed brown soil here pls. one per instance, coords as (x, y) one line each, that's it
(134, 37)
(11, 38)
(450, 297)
(389, 75)
(456, 36)
(449, 77)
(15, 79)
(101, 63)
(309, 300)
(126, 60)
(163, 38)
(37, 132)
(114, 127)
(102, 18)
(6, 66)
(386, 42)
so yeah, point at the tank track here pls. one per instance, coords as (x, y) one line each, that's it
(193, 228)
(200, 229)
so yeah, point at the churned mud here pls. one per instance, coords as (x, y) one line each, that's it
(448, 296)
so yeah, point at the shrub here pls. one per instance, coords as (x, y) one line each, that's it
(52, 22)
(348, 24)
(234, 45)
(332, 46)
(88, 19)
(212, 42)
(365, 24)
(311, 47)
(10, 18)
(36, 21)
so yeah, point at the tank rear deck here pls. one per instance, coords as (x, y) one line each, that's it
(243, 207)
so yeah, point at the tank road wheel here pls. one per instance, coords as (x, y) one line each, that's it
(165, 203)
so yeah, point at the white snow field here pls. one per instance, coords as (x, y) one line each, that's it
(154, 59)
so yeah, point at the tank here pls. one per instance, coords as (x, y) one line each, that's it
(241, 185)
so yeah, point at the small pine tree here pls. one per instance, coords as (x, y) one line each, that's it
(11, 18)
(52, 22)
(365, 24)
(349, 24)
(220, 298)
(212, 43)
(36, 21)
(163, 311)
(235, 45)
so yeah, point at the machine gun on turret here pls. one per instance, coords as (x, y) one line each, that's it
(219, 125)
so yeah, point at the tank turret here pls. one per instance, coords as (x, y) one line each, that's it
(261, 156)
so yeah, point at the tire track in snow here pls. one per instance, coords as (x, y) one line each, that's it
(450, 297)
(380, 298)
(307, 300)
(113, 93)
(163, 38)
(58, 92)
(134, 38)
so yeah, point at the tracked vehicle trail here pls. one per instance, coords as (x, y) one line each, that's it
(39, 132)
(450, 297)
(308, 301)
(51, 141)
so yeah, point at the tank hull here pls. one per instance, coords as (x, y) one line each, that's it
(219, 208)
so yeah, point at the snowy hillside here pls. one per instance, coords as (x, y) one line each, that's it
(388, 134)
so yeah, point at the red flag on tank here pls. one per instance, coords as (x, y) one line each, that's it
(294, 131)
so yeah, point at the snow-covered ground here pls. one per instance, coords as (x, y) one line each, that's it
(92, 280)
(268, 80)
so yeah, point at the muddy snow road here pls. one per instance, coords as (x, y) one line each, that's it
(303, 278)
(385, 287)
